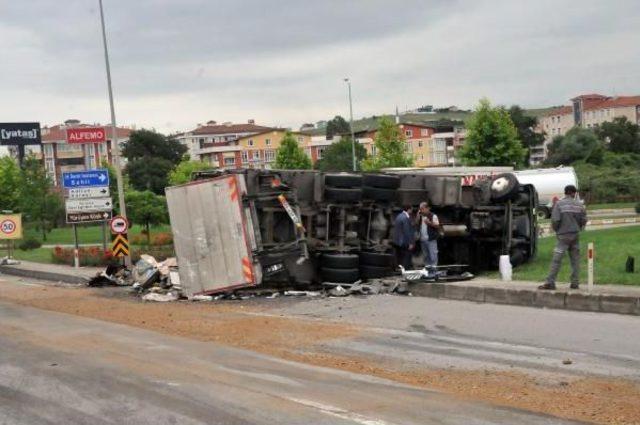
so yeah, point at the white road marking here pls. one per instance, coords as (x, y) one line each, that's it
(339, 412)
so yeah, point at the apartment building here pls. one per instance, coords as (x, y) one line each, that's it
(256, 150)
(205, 141)
(587, 111)
(60, 156)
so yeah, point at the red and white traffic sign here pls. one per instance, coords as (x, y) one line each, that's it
(86, 135)
(118, 225)
(8, 226)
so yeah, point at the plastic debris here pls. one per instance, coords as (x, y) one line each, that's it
(168, 297)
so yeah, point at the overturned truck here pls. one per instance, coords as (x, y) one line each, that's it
(240, 228)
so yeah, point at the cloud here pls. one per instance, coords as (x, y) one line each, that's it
(177, 63)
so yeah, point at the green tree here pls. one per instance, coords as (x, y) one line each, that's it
(339, 156)
(10, 181)
(151, 156)
(492, 138)
(579, 144)
(526, 125)
(622, 135)
(39, 203)
(391, 148)
(147, 209)
(182, 173)
(290, 156)
(337, 125)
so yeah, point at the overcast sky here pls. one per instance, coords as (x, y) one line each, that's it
(176, 63)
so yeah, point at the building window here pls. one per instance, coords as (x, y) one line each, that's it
(424, 132)
(201, 142)
(408, 133)
(373, 150)
(420, 143)
(319, 152)
(300, 139)
(270, 155)
(230, 161)
(250, 142)
(48, 149)
(421, 156)
(256, 155)
(267, 142)
(245, 157)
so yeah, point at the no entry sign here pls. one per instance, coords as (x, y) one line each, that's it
(86, 135)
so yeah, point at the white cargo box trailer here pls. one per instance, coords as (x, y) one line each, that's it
(213, 235)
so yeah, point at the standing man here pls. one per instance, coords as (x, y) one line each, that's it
(404, 237)
(568, 218)
(428, 224)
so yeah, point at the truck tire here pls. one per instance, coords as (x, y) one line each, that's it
(379, 194)
(379, 259)
(339, 261)
(542, 212)
(412, 196)
(381, 180)
(339, 275)
(342, 195)
(504, 187)
(343, 180)
(374, 272)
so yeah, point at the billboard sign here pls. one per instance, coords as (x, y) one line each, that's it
(86, 135)
(20, 133)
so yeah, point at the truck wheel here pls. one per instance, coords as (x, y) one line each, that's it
(379, 194)
(379, 259)
(412, 196)
(339, 275)
(381, 180)
(504, 187)
(339, 261)
(343, 180)
(342, 195)
(542, 213)
(374, 272)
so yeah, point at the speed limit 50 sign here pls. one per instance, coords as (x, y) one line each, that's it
(11, 226)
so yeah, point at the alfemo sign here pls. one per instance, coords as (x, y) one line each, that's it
(20, 133)
(86, 135)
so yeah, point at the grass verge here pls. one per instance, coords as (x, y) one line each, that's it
(86, 234)
(611, 246)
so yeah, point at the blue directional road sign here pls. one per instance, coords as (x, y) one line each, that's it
(88, 178)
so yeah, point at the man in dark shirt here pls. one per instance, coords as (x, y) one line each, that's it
(568, 218)
(404, 237)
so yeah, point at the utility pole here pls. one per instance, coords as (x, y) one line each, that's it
(115, 149)
(353, 137)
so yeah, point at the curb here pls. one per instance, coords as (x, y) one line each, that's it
(602, 303)
(43, 275)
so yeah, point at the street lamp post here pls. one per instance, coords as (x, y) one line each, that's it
(115, 149)
(353, 137)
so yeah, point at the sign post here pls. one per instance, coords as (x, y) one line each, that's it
(87, 200)
(590, 267)
(10, 230)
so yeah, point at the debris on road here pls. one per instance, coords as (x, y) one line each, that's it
(113, 275)
(567, 361)
(6, 261)
(154, 296)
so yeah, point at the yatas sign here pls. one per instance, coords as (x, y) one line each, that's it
(20, 133)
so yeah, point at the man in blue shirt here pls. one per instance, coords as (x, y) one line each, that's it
(404, 237)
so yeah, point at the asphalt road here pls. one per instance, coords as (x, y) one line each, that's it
(466, 335)
(62, 369)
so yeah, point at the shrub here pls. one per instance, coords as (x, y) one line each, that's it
(638, 207)
(157, 239)
(89, 256)
(29, 244)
